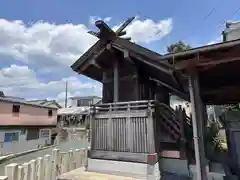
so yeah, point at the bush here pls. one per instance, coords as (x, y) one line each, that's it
(87, 126)
(214, 142)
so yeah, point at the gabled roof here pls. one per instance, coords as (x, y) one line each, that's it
(150, 61)
(217, 66)
(45, 103)
(15, 100)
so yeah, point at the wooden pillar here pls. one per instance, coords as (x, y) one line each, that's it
(116, 82)
(137, 87)
(104, 91)
(181, 115)
(162, 95)
(197, 120)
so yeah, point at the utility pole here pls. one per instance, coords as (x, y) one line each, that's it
(66, 94)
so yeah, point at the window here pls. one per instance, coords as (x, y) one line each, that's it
(11, 137)
(32, 134)
(16, 108)
(78, 103)
(44, 132)
(50, 113)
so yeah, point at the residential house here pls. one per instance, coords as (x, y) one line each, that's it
(80, 101)
(78, 112)
(45, 102)
(24, 125)
(231, 31)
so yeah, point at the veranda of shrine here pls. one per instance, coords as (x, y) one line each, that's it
(135, 121)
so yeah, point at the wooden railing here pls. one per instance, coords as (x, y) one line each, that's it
(47, 167)
(122, 106)
(175, 121)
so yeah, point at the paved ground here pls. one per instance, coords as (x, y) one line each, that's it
(26, 158)
(80, 174)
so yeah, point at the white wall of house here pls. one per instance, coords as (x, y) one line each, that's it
(233, 31)
(22, 144)
(73, 103)
(93, 100)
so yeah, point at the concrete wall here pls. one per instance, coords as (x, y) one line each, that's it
(22, 144)
(29, 115)
(233, 31)
(91, 101)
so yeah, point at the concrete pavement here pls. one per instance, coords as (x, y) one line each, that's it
(10, 156)
(81, 174)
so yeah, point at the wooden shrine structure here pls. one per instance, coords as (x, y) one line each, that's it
(135, 122)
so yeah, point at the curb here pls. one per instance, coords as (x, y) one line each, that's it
(11, 156)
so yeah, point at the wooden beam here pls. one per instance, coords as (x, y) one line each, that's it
(166, 70)
(110, 48)
(94, 33)
(181, 94)
(216, 62)
(94, 63)
(93, 58)
(105, 31)
(127, 38)
(203, 63)
(127, 56)
(124, 25)
(224, 90)
(122, 33)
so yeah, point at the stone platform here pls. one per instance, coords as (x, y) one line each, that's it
(81, 174)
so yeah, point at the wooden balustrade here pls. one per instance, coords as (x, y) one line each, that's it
(47, 167)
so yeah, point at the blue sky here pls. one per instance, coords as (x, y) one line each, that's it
(40, 47)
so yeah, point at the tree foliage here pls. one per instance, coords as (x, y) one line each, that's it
(178, 47)
(231, 107)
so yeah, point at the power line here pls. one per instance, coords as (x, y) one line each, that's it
(212, 11)
(222, 23)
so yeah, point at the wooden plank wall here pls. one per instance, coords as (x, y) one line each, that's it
(122, 134)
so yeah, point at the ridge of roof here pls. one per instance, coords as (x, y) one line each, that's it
(26, 103)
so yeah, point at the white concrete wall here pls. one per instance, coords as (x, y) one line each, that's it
(22, 144)
(233, 32)
(73, 102)
(96, 100)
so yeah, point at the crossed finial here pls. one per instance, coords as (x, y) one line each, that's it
(107, 33)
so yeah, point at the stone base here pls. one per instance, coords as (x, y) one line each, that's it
(127, 169)
(176, 166)
(210, 175)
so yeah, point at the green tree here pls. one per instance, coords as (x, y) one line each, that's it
(178, 47)
(231, 107)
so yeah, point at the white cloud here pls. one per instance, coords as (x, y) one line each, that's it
(51, 44)
(93, 19)
(22, 82)
(51, 48)
(146, 31)
(217, 40)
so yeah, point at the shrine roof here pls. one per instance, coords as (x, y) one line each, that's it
(151, 63)
(217, 65)
(218, 68)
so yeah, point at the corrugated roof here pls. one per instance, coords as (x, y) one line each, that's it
(73, 110)
(46, 103)
(22, 101)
